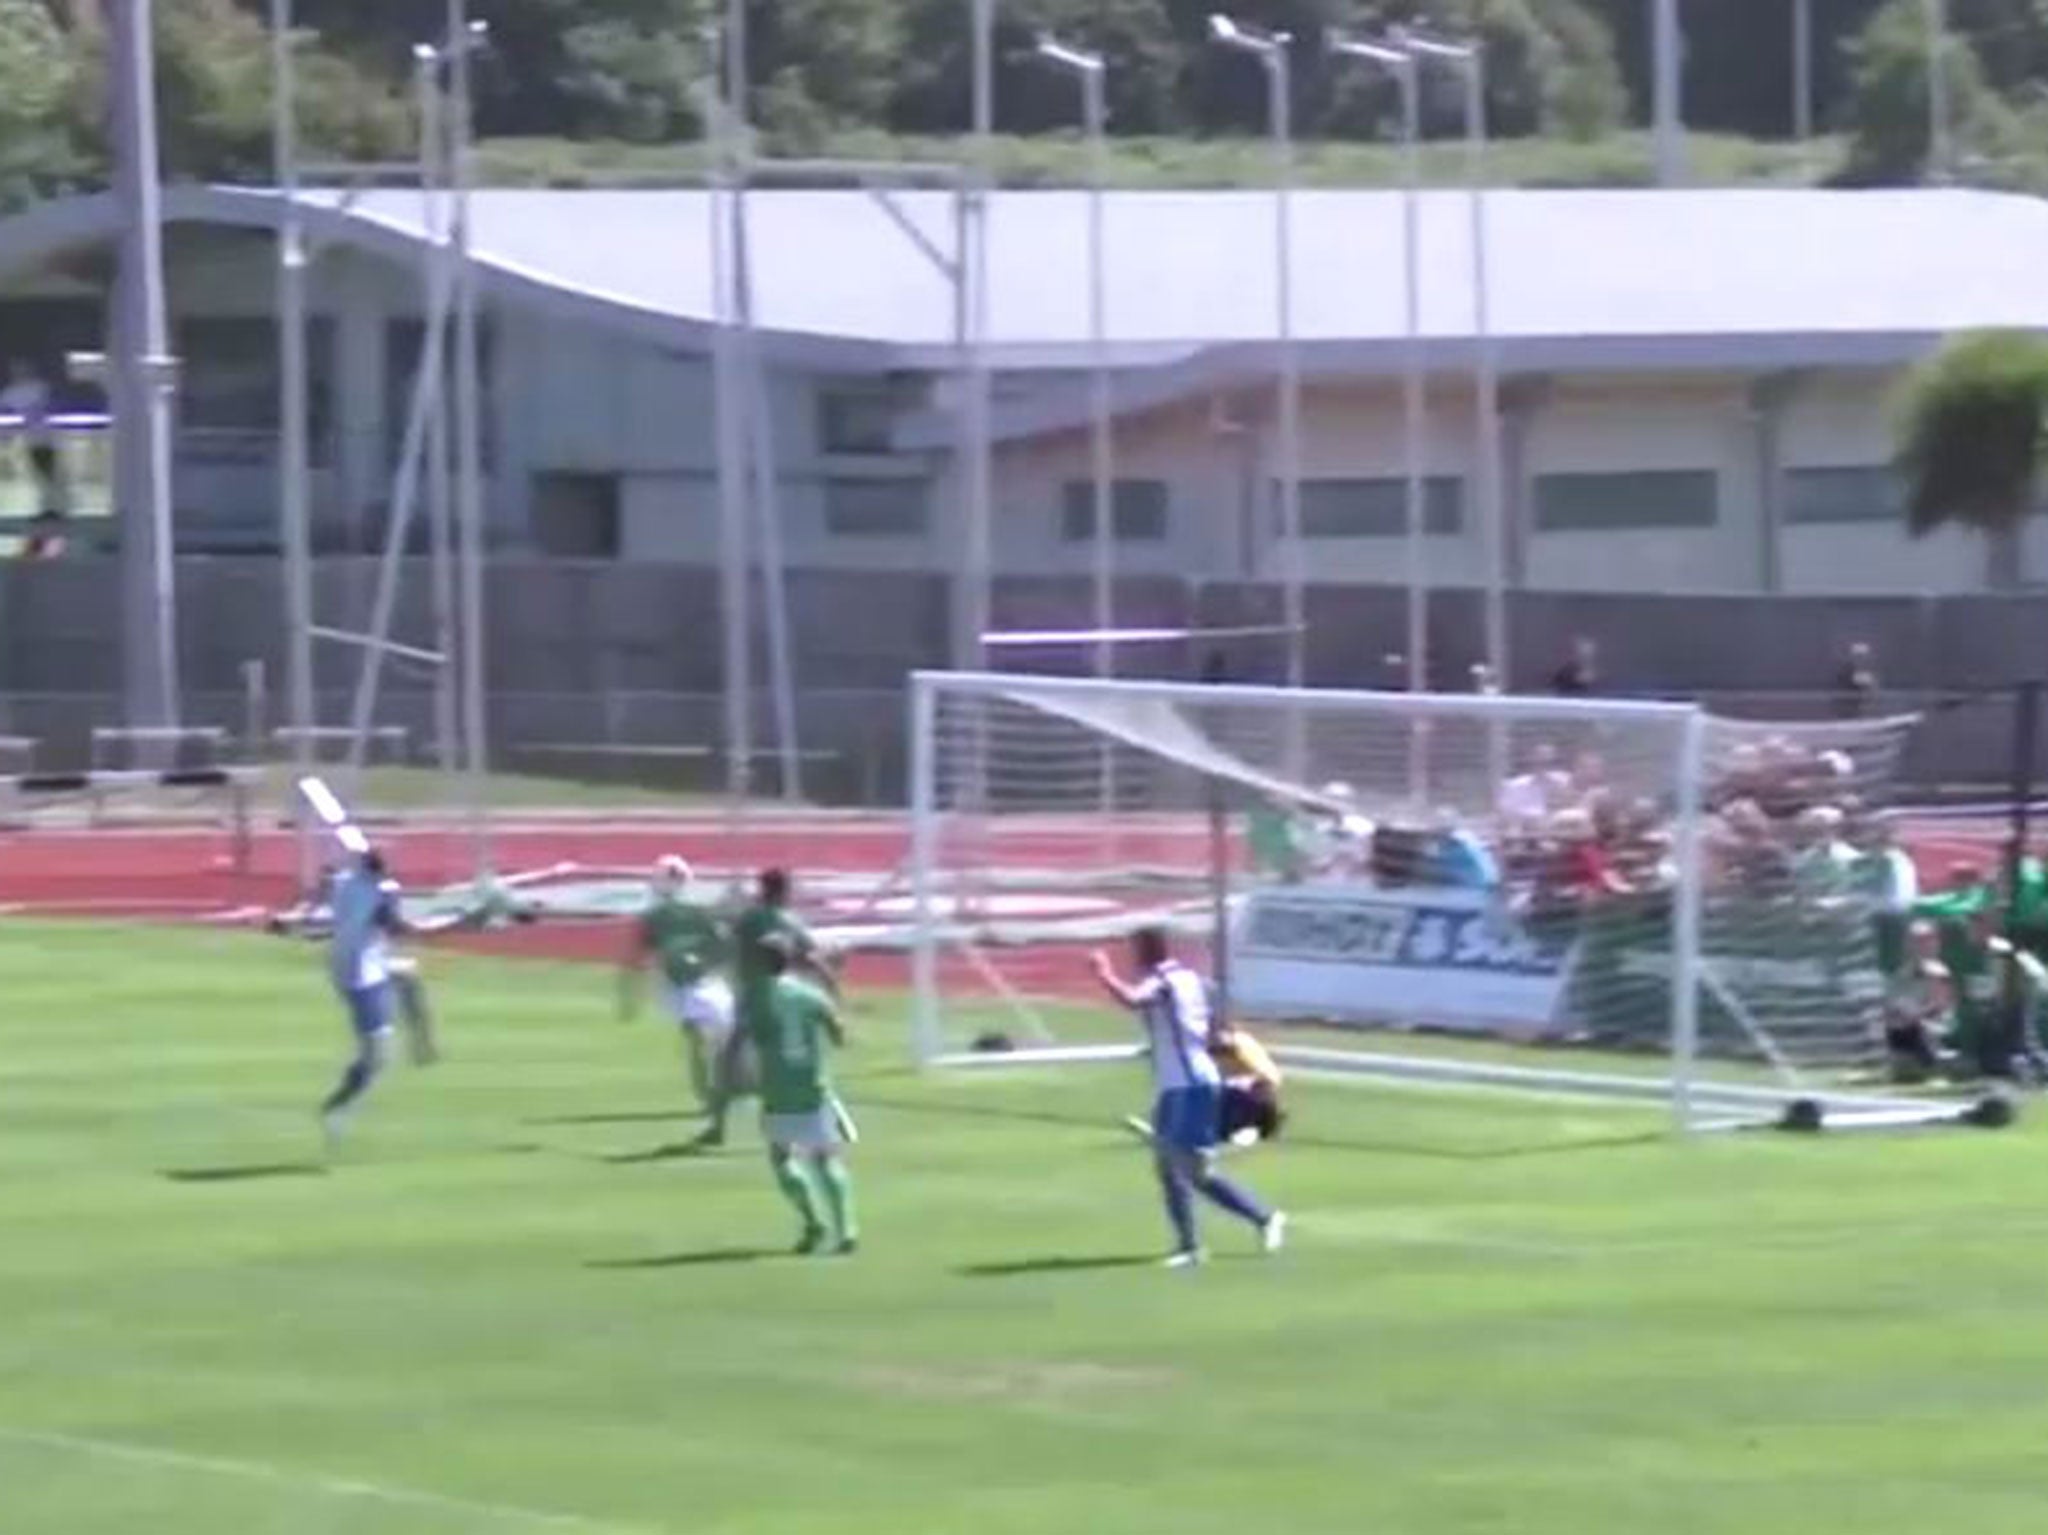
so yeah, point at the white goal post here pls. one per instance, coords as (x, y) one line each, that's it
(1630, 900)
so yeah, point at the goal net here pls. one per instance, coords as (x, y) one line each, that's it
(1632, 900)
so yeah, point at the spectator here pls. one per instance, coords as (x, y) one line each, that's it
(1741, 777)
(1886, 876)
(1342, 848)
(1579, 676)
(1920, 1008)
(1459, 858)
(1782, 776)
(1588, 777)
(1747, 854)
(1823, 864)
(27, 397)
(1855, 683)
(1582, 871)
(1533, 795)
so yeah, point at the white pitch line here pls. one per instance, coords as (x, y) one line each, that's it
(330, 1486)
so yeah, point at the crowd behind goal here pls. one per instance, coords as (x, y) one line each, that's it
(1795, 838)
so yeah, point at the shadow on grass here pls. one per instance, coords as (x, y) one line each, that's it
(669, 1152)
(250, 1173)
(1478, 1153)
(981, 1111)
(698, 1259)
(1362, 1144)
(1059, 1265)
(631, 1117)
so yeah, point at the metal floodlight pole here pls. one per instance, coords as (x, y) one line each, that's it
(1088, 71)
(976, 428)
(423, 432)
(1398, 61)
(1271, 50)
(293, 457)
(430, 86)
(1802, 71)
(1940, 152)
(755, 437)
(1667, 88)
(734, 591)
(465, 37)
(1470, 60)
(146, 374)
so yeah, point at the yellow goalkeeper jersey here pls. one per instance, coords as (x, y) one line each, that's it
(1240, 1055)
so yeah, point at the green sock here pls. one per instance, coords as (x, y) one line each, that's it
(796, 1188)
(838, 1183)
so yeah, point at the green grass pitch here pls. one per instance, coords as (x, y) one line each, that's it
(501, 1312)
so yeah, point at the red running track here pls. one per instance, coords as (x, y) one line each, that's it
(189, 874)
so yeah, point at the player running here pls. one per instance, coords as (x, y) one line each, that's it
(768, 917)
(364, 902)
(692, 945)
(791, 1020)
(1172, 1004)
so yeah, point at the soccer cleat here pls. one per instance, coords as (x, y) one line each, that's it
(710, 1140)
(810, 1242)
(333, 1122)
(1273, 1232)
(846, 1247)
(1138, 1126)
(1186, 1258)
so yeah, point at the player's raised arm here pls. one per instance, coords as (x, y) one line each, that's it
(1106, 977)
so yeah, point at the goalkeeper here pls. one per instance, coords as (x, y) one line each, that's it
(692, 945)
(1248, 1110)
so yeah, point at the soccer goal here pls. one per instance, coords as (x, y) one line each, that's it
(1627, 900)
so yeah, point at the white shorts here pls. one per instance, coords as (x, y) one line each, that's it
(829, 1128)
(706, 1006)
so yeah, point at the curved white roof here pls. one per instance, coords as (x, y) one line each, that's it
(1578, 278)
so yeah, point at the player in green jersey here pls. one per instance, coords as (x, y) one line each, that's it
(692, 945)
(1998, 1042)
(768, 917)
(791, 1021)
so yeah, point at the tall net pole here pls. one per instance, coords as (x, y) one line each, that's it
(979, 573)
(294, 514)
(468, 438)
(144, 376)
(440, 458)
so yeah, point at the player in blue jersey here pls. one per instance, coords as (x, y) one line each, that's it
(1172, 1005)
(364, 902)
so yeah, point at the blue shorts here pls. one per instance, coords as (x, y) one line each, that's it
(369, 1009)
(1187, 1118)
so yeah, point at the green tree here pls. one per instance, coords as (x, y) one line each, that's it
(821, 64)
(1147, 63)
(624, 69)
(40, 68)
(1972, 438)
(1888, 117)
(1550, 68)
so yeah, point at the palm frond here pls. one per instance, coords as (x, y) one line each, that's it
(1969, 432)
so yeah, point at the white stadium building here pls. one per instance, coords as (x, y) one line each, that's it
(1695, 383)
